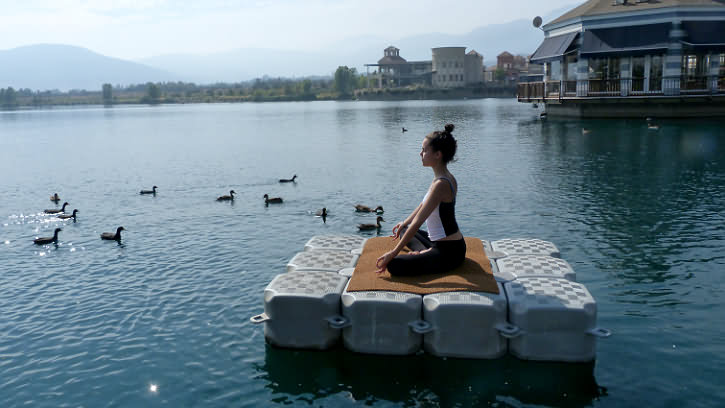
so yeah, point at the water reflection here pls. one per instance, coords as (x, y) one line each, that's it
(645, 198)
(420, 379)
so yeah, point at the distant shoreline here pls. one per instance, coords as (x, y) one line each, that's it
(85, 98)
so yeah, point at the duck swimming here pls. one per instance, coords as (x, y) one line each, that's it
(321, 213)
(272, 200)
(48, 240)
(152, 191)
(229, 197)
(67, 216)
(57, 211)
(292, 180)
(111, 236)
(55, 198)
(370, 227)
(364, 208)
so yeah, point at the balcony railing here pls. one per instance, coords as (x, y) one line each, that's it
(596, 88)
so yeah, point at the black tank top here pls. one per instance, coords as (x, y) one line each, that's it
(447, 212)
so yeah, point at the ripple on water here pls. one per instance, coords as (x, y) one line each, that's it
(92, 323)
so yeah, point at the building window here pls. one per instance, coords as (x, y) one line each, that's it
(604, 68)
(638, 74)
(694, 65)
(572, 63)
(655, 73)
(694, 71)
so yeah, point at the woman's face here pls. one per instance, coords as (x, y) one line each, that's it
(428, 155)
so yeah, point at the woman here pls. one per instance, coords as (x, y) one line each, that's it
(442, 248)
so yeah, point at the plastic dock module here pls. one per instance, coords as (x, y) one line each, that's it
(302, 310)
(383, 322)
(319, 260)
(520, 266)
(508, 247)
(554, 319)
(336, 243)
(466, 324)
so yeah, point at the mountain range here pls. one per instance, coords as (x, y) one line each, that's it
(64, 67)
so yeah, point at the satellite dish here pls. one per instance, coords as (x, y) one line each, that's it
(537, 21)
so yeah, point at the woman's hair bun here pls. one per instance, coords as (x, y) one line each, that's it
(449, 127)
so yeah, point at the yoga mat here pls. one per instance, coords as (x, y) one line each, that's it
(474, 275)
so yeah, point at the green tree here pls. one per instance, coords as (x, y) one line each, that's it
(345, 80)
(107, 94)
(499, 74)
(9, 97)
(153, 92)
(306, 86)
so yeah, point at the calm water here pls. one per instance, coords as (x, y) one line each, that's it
(161, 319)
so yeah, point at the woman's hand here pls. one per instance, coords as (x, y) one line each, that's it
(382, 262)
(396, 230)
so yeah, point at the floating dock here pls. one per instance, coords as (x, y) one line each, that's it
(539, 313)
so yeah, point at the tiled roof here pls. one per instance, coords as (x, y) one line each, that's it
(388, 60)
(595, 7)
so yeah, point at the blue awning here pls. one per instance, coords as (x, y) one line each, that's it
(704, 35)
(642, 39)
(553, 47)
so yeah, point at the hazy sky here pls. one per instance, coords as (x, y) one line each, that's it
(134, 29)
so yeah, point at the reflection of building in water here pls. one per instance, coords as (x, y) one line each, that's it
(632, 58)
(450, 67)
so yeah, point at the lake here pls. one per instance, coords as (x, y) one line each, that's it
(162, 318)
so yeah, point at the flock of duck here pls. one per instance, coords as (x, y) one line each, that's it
(321, 212)
(60, 213)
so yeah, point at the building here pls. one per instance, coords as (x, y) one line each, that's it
(473, 68)
(394, 71)
(634, 58)
(450, 67)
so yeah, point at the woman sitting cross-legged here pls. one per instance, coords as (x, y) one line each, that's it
(442, 248)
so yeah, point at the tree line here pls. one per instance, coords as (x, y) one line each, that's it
(340, 86)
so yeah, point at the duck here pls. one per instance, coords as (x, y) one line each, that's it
(364, 208)
(292, 180)
(543, 115)
(111, 236)
(321, 213)
(272, 200)
(55, 198)
(229, 197)
(56, 210)
(48, 240)
(404, 130)
(67, 216)
(152, 191)
(370, 227)
(650, 125)
(586, 131)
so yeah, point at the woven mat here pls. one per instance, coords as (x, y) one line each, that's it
(474, 275)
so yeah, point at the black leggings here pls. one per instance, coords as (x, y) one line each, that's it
(442, 257)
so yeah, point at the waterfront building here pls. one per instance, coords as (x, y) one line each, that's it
(394, 71)
(632, 58)
(473, 68)
(450, 67)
